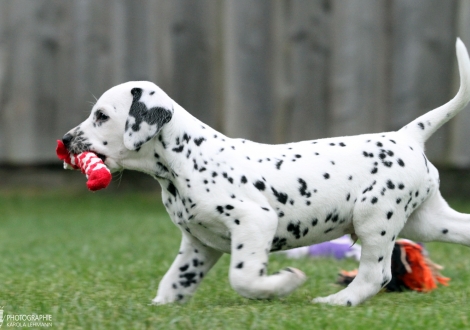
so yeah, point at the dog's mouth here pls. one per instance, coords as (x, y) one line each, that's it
(80, 150)
(101, 156)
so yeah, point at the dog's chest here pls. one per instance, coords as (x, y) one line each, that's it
(185, 213)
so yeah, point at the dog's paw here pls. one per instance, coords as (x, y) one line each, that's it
(163, 300)
(160, 301)
(337, 299)
(296, 278)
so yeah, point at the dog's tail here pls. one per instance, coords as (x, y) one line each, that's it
(423, 127)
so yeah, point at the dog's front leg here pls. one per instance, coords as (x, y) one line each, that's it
(251, 243)
(193, 262)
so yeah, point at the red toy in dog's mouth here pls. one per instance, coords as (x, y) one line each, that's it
(90, 163)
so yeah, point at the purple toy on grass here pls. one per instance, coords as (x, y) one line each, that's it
(339, 248)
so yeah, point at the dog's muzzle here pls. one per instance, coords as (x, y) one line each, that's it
(67, 139)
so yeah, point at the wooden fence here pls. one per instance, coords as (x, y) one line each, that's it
(268, 70)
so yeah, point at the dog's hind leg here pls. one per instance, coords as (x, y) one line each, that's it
(251, 243)
(193, 262)
(377, 231)
(435, 220)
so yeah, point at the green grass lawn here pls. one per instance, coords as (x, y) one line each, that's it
(94, 261)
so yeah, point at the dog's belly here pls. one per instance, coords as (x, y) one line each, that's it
(315, 228)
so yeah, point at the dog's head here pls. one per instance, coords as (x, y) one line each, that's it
(123, 119)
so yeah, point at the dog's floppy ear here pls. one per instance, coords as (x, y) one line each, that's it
(143, 123)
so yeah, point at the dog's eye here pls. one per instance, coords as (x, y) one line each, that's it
(100, 116)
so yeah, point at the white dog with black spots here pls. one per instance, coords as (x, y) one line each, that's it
(247, 199)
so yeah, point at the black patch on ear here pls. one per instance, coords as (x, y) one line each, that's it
(141, 113)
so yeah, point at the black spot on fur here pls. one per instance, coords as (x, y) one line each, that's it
(401, 162)
(328, 217)
(389, 215)
(294, 229)
(162, 167)
(281, 197)
(184, 268)
(259, 185)
(278, 244)
(220, 209)
(172, 189)
(383, 233)
(198, 141)
(326, 176)
(278, 164)
(445, 231)
(421, 125)
(374, 200)
(240, 265)
(303, 188)
(189, 279)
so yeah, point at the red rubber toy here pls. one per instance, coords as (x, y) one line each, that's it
(89, 163)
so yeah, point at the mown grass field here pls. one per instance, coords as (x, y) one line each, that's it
(93, 261)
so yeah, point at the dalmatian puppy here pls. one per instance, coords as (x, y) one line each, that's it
(247, 199)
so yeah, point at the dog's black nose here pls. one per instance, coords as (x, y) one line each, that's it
(67, 139)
